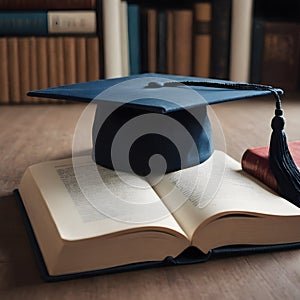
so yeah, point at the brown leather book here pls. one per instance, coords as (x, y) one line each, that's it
(81, 59)
(255, 161)
(152, 39)
(183, 28)
(60, 73)
(281, 55)
(93, 58)
(33, 66)
(52, 61)
(69, 59)
(14, 70)
(4, 91)
(202, 39)
(24, 62)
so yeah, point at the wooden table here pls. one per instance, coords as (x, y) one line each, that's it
(34, 133)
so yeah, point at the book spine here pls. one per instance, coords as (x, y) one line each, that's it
(125, 38)
(24, 60)
(60, 70)
(43, 23)
(134, 38)
(33, 66)
(255, 161)
(280, 64)
(46, 4)
(19, 23)
(144, 39)
(100, 30)
(257, 165)
(202, 39)
(42, 65)
(170, 42)
(69, 60)
(14, 70)
(81, 59)
(220, 34)
(183, 25)
(112, 46)
(53, 67)
(152, 39)
(93, 58)
(161, 41)
(240, 40)
(4, 91)
(257, 47)
(72, 22)
(31, 63)
(51, 48)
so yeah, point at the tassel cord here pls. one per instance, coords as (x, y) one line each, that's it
(281, 162)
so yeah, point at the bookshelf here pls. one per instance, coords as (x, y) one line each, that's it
(275, 45)
(176, 37)
(211, 38)
(48, 43)
(226, 33)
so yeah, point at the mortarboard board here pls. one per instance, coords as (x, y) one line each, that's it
(159, 103)
(146, 97)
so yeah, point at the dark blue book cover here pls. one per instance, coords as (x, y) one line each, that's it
(161, 41)
(134, 38)
(39, 23)
(257, 48)
(221, 27)
(24, 23)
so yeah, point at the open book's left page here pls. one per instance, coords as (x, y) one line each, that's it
(72, 206)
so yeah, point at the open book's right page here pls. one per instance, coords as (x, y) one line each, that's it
(218, 190)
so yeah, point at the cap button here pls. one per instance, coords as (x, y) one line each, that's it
(153, 85)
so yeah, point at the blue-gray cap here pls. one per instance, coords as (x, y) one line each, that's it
(150, 98)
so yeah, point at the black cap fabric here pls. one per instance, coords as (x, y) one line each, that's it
(150, 115)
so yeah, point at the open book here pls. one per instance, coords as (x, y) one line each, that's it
(84, 222)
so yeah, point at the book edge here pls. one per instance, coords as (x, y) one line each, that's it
(183, 259)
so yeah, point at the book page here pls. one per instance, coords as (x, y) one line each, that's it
(85, 203)
(218, 187)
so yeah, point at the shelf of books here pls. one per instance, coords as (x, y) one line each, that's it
(47, 43)
(276, 44)
(57, 42)
(176, 37)
(248, 41)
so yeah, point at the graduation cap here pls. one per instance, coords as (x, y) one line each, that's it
(162, 118)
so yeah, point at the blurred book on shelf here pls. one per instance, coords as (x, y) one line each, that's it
(46, 4)
(175, 38)
(48, 43)
(276, 53)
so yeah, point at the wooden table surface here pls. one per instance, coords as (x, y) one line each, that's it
(35, 133)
